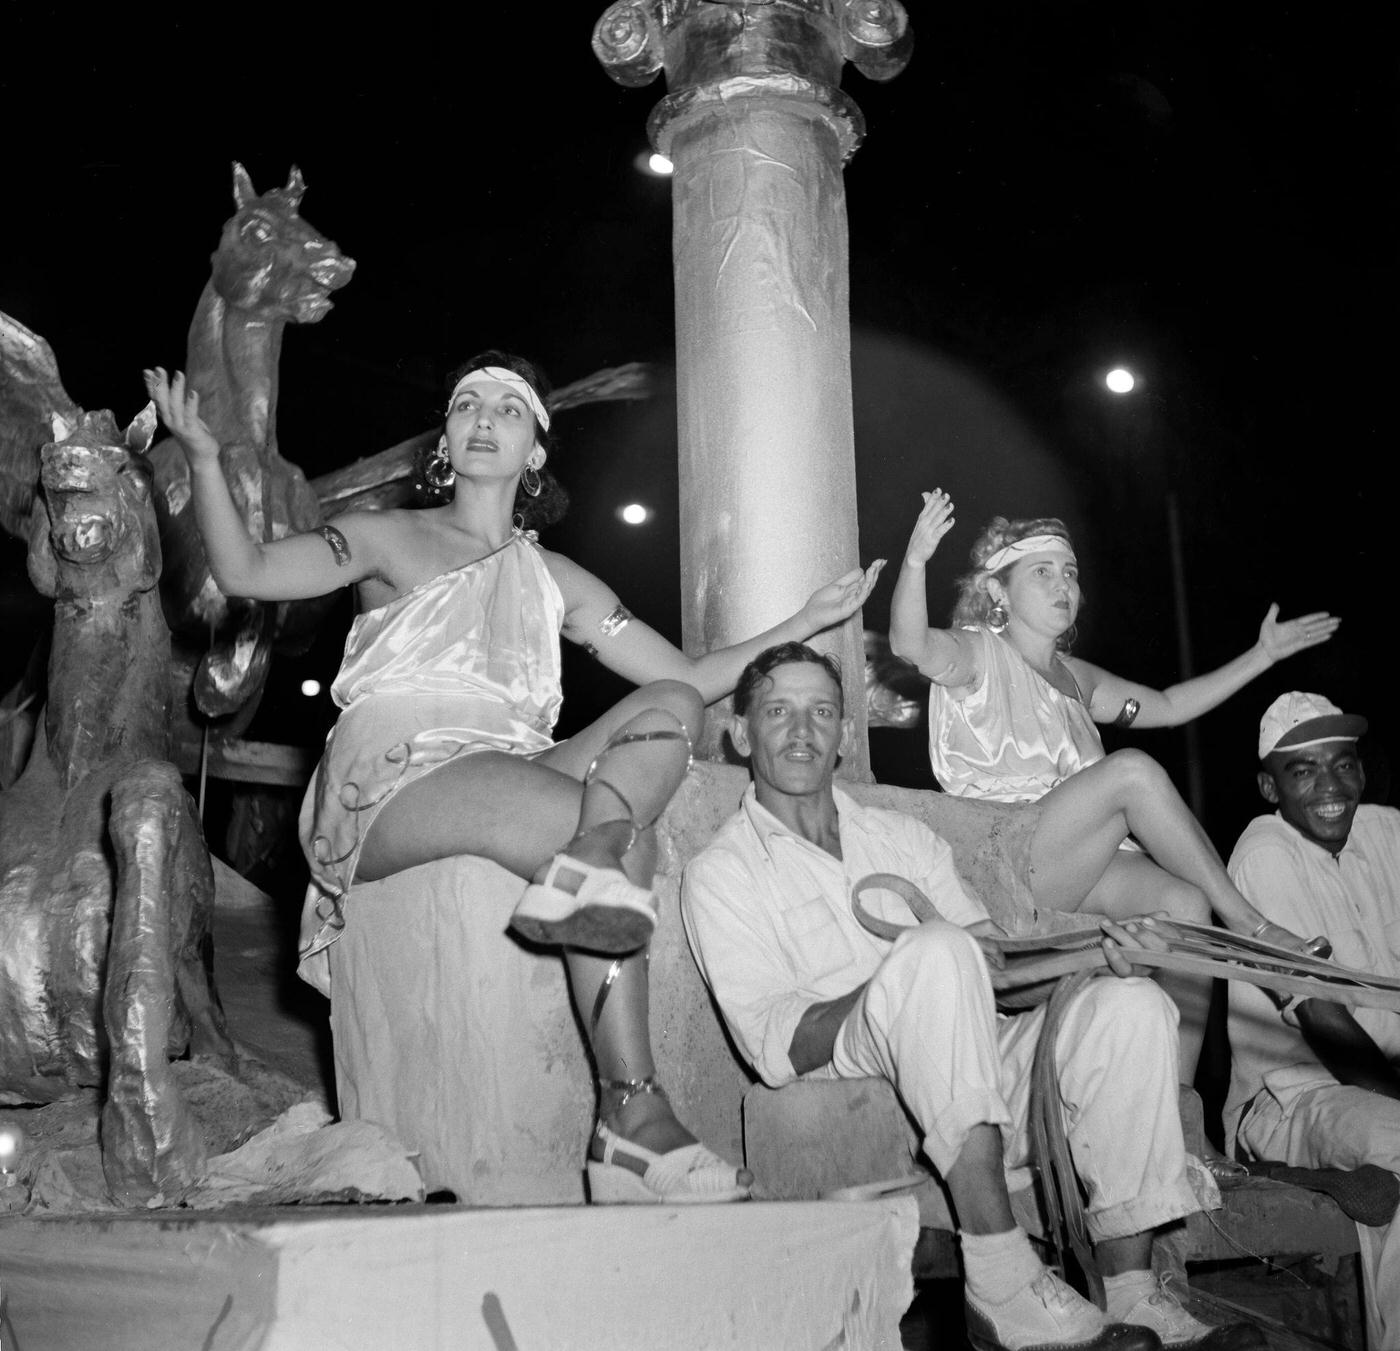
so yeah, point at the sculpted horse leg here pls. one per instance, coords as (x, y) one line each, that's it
(156, 981)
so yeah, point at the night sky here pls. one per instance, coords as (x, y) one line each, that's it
(1206, 193)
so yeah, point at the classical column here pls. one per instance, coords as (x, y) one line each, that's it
(758, 132)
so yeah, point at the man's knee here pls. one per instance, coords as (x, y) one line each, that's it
(1131, 1014)
(933, 958)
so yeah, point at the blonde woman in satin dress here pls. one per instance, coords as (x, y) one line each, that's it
(1012, 719)
(450, 690)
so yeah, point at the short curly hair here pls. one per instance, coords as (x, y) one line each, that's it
(535, 513)
(974, 604)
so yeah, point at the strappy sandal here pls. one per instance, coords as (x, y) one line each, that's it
(690, 1175)
(579, 905)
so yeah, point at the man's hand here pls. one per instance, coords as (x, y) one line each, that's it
(1119, 940)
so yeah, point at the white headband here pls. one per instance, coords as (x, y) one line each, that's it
(1032, 544)
(500, 373)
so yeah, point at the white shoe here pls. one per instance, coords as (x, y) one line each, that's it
(579, 905)
(1165, 1314)
(1045, 1314)
(681, 1176)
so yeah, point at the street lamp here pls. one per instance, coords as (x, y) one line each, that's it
(1121, 381)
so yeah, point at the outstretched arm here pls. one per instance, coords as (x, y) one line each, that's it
(1180, 703)
(940, 654)
(636, 651)
(294, 568)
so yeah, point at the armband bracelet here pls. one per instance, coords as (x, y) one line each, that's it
(614, 622)
(1131, 708)
(339, 546)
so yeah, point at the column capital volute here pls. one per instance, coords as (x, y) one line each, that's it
(698, 42)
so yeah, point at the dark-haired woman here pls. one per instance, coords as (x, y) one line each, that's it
(1012, 719)
(449, 692)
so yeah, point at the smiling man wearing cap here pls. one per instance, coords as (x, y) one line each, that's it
(1317, 1085)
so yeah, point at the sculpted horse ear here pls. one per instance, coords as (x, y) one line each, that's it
(243, 190)
(142, 429)
(295, 189)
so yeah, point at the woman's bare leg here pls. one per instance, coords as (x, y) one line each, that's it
(1077, 865)
(520, 813)
(1084, 820)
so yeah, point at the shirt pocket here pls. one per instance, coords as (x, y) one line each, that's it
(820, 947)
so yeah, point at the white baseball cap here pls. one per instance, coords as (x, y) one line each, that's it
(1298, 719)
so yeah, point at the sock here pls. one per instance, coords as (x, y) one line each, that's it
(996, 1266)
(1122, 1292)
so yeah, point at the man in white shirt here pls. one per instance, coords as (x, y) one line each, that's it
(806, 991)
(1316, 1084)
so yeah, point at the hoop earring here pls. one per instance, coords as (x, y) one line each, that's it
(438, 470)
(997, 617)
(530, 481)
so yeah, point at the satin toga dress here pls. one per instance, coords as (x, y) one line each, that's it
(1013, 737)
(466, 662)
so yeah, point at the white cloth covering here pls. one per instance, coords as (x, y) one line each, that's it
(1013, 736)
(768, 917)
(1283, 1103)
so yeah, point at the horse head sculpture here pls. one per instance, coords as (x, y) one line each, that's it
(271, 268)
(94, 547)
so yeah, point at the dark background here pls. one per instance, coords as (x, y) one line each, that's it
(1204, 192)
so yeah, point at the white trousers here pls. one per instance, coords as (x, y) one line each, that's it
(927, 1023)
(1340, 1127)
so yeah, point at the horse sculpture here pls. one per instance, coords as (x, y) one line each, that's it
(271, 268)
(106, 889)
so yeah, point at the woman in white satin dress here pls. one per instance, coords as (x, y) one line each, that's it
(450, 690)
(1012, 718)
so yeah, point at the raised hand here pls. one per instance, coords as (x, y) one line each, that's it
(1278, 641)
(839, 600)
(935, 521)
(178, 405)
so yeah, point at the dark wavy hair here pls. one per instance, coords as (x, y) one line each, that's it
(535, 513)
(783, 654)
(974, 603)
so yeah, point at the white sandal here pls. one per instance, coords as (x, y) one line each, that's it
(689, 1175)
(579, 905)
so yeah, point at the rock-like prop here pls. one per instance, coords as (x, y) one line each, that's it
(105, 883)
(271, 268)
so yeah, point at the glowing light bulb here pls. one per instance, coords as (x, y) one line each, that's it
(1120, 380)
(634, 513)
(659, 164)
(11, 1143)
(311, 688)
